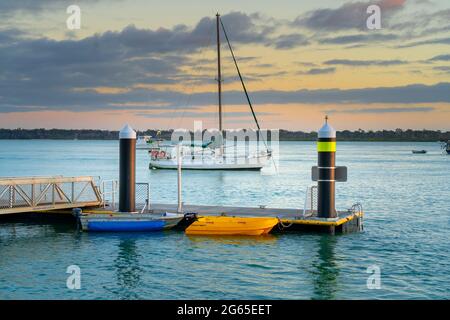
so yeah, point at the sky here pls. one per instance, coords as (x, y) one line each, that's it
(152, 64)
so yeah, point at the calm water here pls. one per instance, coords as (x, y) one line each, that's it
(405, 197)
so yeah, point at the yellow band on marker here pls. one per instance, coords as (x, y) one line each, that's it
(326, 146)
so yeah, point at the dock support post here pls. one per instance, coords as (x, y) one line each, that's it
(326, 147)
(127, 179)
(180, 204)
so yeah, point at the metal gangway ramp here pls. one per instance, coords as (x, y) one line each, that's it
(30, 194)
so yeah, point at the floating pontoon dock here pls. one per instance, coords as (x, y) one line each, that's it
(58, 194)
(290, 219)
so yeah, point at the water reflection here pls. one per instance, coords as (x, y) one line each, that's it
(325, 270)
(128, 270)
(233, 240)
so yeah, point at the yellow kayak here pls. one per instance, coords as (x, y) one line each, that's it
(222, 225)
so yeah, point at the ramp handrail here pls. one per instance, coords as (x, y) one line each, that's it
(143, 193)
(110, 188)
(27, 194)
(310, 205)
(38, 180)
(114, 186)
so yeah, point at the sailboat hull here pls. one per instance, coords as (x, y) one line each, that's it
(167, 164)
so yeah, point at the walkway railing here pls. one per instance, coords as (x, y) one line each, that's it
(310, 206)
(108, 191)
(109, 194)
(28, 194)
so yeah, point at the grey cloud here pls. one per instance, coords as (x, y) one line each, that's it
(443, 57)
(264, 65)
(365, 63)
(306, 64)
(47, 71)
(443, 69)
(410, 28)
(245, 28)
(289, 41)
(240, 59)
(444, 40)
(405, 26)
(417, 93)
(7, 6)
(383, 110)
(351, 15)
(11, 7)
(317, 71)
(200, 115)
(423, 22)
(366, 38)
(91, 101)
(41, 74)
(10, 35)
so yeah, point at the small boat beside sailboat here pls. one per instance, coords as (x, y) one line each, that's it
(144, 142)
(148, 142)
(446, 146)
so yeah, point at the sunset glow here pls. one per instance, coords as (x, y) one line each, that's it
(153, 65)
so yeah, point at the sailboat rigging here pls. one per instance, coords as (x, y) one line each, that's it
(215, 159)
(243, 83)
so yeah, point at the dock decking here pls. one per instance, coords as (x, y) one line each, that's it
(286, 216)
(59, 195)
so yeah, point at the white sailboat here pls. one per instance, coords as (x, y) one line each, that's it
(212, 156)
(144, 142)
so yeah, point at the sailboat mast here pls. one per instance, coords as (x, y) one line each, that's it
(242, 82)
(219, 72)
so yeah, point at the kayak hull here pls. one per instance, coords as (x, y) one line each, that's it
(125, 226)
(234, 226)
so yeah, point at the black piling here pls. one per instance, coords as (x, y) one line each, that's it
(127, 183)
(326, 147)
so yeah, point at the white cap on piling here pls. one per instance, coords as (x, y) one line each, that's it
(127, 132)
(327, 131)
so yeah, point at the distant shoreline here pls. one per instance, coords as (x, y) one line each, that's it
(340, 140)
(284, 135)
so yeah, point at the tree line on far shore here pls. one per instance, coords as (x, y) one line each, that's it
(284, 135)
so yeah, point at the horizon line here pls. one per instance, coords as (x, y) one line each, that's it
(216, 129)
